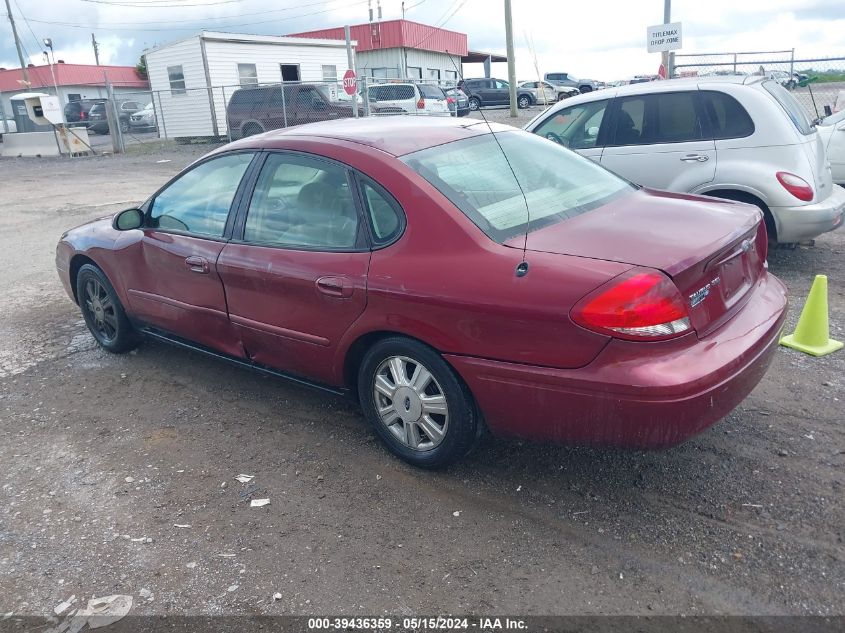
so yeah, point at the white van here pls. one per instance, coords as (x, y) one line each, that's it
(741, 138)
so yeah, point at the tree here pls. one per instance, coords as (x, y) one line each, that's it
(141, 67)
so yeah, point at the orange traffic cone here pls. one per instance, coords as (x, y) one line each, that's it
(812, 335)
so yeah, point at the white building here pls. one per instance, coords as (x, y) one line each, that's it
(193, 79)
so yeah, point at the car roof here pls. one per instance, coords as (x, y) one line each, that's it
(394, 135)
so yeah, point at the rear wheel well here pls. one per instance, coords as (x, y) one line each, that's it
(355, 355)
(77, 262)
(742, 196)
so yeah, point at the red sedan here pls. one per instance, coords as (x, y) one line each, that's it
(449, 278)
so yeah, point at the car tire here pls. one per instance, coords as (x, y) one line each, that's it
(474, 104)
(523, 102)
(396, 377)
(103, 313)
(586, 89)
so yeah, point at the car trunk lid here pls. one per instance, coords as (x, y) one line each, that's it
(713, 250)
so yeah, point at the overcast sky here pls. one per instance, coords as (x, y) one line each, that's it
(602, 39)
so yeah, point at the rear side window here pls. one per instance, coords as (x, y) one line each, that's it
(728, 119)
(384, 213)
(794, 110)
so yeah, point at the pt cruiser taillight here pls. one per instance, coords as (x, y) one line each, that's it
(795, 185)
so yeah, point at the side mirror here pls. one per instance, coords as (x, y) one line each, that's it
(128, 219)
(592, 131)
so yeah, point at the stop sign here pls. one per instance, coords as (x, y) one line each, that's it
(349, 84)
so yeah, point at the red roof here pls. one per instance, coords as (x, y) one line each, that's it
(72, 75)
(396, 34)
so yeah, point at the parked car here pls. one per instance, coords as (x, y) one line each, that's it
(565, 79)
(254, 110)
(76, 112)
(407, 98)
(144, 119)
(784, 78)
(832, 132)
(395, 260)
(10, 127)
(741, 138)
(546, 93)
(458, 101)
(98, 119)
(493, 92)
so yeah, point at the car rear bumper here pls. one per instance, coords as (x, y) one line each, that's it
(637, 395)
(796, 224)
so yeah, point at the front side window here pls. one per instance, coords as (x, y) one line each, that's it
(557, 185)
(199, 201)
(302, 202)
(247, 75)
(671, 117)
(501, 85)
(576, 127)
(177, 80)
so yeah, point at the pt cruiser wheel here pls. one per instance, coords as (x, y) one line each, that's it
(416, 403)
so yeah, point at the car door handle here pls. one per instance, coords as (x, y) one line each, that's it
(335, 286)
(197, 264)
(695, 158)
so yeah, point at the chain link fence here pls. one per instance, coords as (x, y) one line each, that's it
(816, 83)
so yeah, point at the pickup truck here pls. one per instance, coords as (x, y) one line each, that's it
(565, 79)
(256, 110)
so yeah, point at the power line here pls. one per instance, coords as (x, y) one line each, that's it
(38, 41)
(142, 4)
(225, 17)
(179, 28)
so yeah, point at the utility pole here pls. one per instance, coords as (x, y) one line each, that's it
(667, 18)
(96, 49)
(511, 60)
(17, 43)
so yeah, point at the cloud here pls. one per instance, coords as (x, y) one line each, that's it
(602, 40)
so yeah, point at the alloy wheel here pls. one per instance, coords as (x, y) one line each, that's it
(410, 403)
(101, 309)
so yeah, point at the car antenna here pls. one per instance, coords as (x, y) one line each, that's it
(522, 267)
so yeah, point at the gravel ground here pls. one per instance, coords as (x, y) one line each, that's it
(104, 457)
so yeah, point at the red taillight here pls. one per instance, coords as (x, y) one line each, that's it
(642, 304)
(83, 115)
(795, 185)
(450, 99)
(421, 104)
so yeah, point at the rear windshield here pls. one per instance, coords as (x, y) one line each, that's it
(392, 93)
(797, 114)
(432, 92)
(558, 184)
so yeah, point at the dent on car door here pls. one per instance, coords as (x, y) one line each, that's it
(295, 272)
(169, 267)
(661, 140)
(579, 127)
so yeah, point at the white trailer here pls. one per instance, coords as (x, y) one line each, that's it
(192, 79)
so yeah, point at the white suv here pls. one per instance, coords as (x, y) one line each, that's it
(407, 98)
(741, 138)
